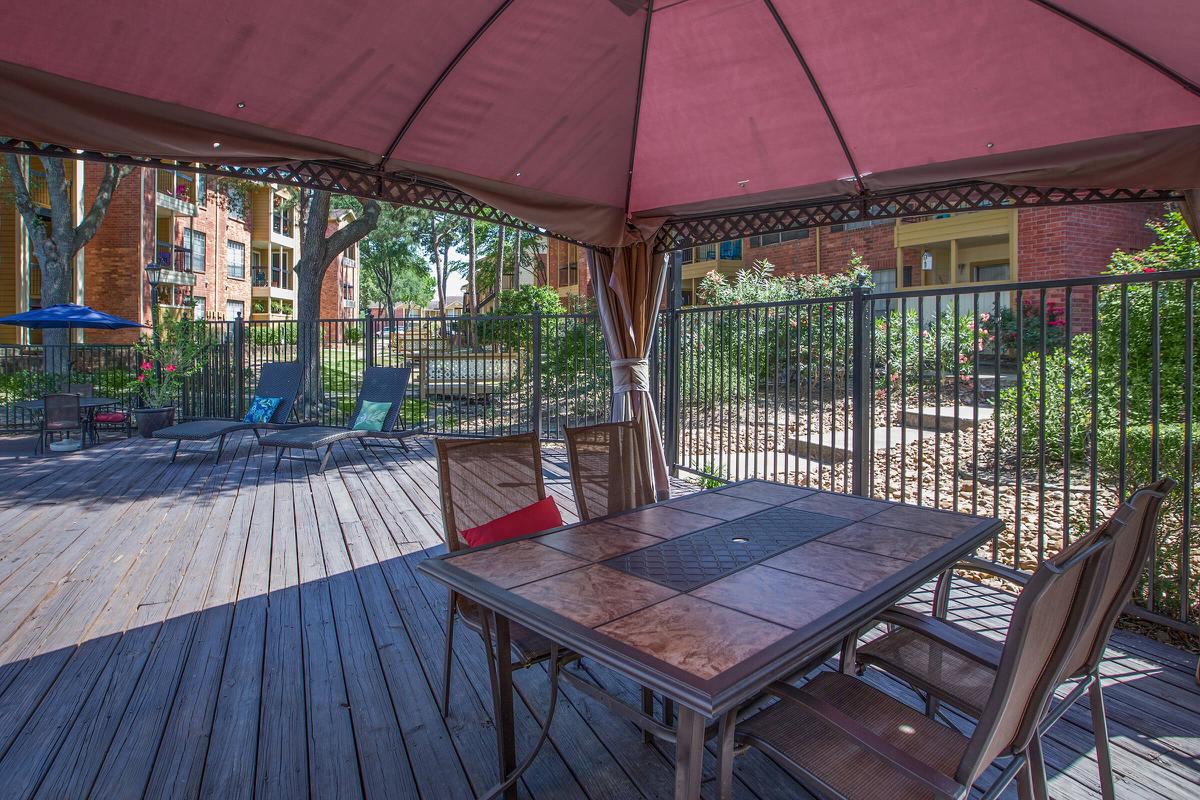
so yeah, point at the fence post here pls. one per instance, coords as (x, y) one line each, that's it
(674, 300)
(537, 372)
(239, 356)
(861, 389)
(369, 344)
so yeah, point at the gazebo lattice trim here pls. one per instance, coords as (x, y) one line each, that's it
(676, 233)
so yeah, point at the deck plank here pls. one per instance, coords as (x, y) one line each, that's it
(223, 631)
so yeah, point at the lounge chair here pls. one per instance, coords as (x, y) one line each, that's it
(277, 379)
(380, 385)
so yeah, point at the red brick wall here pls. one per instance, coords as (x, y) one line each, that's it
(215, 283)
(559, 253)
(115, 259)
(876, 245)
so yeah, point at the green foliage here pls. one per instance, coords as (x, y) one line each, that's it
(919, 349)
(1005, 327)
(734, 351)
(759, 284)
(266, 334)
(177, 349)
(1050, 386)
(519, 305)
(352, 334)
(394, 271)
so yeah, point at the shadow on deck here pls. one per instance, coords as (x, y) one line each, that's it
(219, 630)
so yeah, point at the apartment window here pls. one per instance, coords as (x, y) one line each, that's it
(568, 274)
(778, 238)
(235, 203)
(235, 259)
(884, 280)
(234, 309)
(196, 243)
(201, 189)
(861, 224)
(199, 306)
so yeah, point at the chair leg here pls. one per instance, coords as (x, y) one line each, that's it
(648, 710)
(278, 458)
(1025, 784)
(325, 458)
(450, 617)
(175, 452)
(1037, 768)
(220, 447)
(1100, 731)
(932, 704)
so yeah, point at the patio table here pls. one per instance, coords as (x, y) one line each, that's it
(708, 598)
(89, 405)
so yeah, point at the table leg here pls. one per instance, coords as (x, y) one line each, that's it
(725, 731)
(502, 690)
(689, 754)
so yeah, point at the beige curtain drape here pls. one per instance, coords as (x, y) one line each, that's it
(629, 285)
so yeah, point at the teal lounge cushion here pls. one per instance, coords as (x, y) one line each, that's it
(262, 409)
(371, 416)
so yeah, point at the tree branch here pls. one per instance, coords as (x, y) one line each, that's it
(86, 229)
(342, 238)
(24, 203)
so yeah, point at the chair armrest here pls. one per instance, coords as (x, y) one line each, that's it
(945, 634)
(941, 592)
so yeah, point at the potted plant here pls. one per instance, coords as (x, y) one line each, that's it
(174, 352)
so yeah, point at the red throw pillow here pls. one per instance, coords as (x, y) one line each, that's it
(541, 516)
(110, 416)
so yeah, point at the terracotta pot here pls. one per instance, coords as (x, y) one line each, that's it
(150, 420)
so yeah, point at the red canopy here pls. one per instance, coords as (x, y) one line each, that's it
(576, 114)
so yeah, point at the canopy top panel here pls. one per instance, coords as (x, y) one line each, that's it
(581, 116)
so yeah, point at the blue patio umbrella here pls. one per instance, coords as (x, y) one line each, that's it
(69, 316)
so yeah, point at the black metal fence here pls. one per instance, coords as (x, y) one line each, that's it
(1041, 403)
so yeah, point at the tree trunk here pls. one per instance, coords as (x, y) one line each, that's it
(317, 252)
(517, 258)
(471, 301)
(500, 264)
(57, 249)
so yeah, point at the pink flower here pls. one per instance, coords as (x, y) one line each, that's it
(141, 378)
(984, 317)
(146, 365)
(962, 359)
(1149, 269)
(170, 367)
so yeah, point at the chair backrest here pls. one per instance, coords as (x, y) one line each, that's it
(280, 379)
(1131, 546)
(483, 479)
(610, 469)
(383, 385)
(81, 389)
(1046, 623)
(61, 411)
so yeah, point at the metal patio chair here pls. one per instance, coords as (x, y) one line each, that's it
(276, 379)
(60, 415)
(952, 664)
(482, 480)
(610, 473)
(379, 384)
(609, 469)
(843, 738)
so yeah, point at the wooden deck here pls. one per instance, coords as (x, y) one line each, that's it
(217, 630)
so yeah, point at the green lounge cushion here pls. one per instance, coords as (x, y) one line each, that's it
(262, 409)
(371, 416)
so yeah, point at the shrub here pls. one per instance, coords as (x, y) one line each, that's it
(1004, 327)
(1029, 396)
(917, 349)
(352, 334)
(266, 334)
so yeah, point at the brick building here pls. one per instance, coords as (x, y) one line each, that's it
(340, 287)
(223, 249)
(567, 272)
(983, 246)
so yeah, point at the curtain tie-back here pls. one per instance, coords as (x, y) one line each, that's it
(630, 375)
